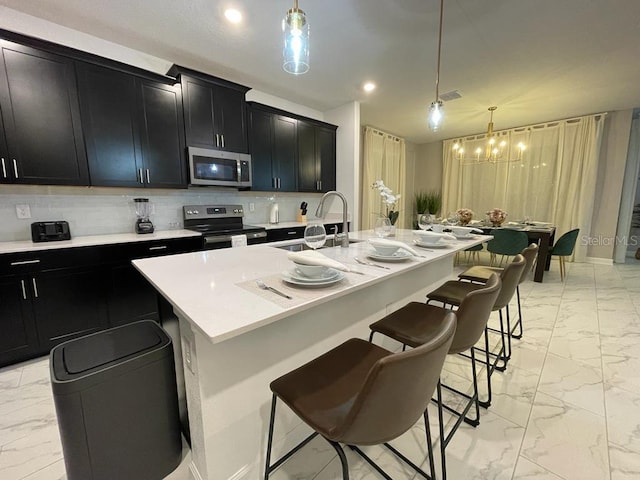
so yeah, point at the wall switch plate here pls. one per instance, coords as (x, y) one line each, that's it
(23, 211)
(252, 207)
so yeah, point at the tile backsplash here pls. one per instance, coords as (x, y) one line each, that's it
(98, 211)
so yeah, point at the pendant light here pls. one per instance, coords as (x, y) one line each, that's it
(435, 109)
(296, 41)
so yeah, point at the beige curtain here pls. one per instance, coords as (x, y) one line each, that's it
(383, 159)
(555, 182)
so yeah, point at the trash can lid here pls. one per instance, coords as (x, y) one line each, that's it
(108, 347)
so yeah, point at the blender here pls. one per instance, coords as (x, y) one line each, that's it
(143, 210)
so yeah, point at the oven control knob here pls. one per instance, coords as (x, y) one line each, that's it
(195, 212)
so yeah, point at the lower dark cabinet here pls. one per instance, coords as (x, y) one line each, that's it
(131, 297)
(18, 340)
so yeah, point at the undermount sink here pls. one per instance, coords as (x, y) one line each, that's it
(298, 247)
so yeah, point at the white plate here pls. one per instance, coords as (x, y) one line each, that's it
(431, 245)
(329, 274)
(286, 276)
(398, 256)
(464, 237)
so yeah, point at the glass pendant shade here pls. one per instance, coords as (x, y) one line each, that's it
(435, 115)
(296, 42)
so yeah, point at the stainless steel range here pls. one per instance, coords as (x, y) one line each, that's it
(218, 223)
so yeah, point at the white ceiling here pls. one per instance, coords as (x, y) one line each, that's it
(537, 60)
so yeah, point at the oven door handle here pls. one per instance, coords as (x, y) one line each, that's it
(217, 239)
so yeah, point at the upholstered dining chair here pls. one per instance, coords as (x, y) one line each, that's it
(453, 292)
(417, 323)
(350, 395)
(481, 273)
(563, 248)
(506, 242)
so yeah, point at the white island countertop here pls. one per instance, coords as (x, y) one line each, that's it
(216, 290)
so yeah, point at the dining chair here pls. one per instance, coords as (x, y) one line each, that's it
(350, 395)
(481, 273)
(453, 293)
(417, 323)
(506, 242)
(563, 248)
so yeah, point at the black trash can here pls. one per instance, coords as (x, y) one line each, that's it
(117, 404)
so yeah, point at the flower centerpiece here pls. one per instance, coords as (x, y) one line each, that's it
(497, 216)
(389, 199)
(465, 215)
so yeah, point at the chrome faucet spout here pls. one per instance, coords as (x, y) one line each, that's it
(345, 225)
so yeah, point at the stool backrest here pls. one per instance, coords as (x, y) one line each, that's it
(510, 277)
(473, 314)
(397, 390)
(530, 253)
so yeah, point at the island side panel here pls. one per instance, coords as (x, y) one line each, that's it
(227, 383)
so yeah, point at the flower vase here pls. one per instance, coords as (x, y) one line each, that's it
(497, 223)
(392, 232)
(464, 223)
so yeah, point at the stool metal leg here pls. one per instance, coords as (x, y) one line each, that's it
(343, 459)
(519, 322)
(267, 468)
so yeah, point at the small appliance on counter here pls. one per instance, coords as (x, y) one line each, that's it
(50, 231)
(274, 214)
(143, 211)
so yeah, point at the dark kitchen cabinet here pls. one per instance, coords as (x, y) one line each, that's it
(18, 340)
(132, 129)
(131, 297)
(41, 118)
(316, 157)
(273, 140)
(214, 111)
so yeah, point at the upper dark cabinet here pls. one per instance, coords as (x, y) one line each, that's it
(133, 129)
(316, 157)
(41, 118)
(214, 111)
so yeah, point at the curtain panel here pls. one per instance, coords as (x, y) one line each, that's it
(383, 159)
(555, 181)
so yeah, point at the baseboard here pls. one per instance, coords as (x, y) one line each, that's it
(599, 261)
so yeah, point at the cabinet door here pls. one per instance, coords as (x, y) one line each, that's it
(42, 117)
(198, 113)
(284, 153)
(6, 172)
(107, 102)
(161, 135)
(68, 303)
(18, 340)
(326, 151)
(308, 165)
(230, 119)
(131, 297)
(261, 139)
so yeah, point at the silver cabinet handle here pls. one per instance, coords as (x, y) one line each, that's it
(15, 167)
(4, 170)
(35, 287)
(148, 176)
(161, 247)
(222, 136)
(140, 175)
(319, 184)
(24, 290)
(24, 262)
(217, 140)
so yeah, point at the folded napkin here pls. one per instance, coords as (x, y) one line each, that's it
(393, 243)
(311, 257)
(427, 233)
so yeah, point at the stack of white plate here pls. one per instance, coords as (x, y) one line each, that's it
(328, 277)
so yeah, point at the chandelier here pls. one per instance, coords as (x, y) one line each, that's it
(296, 41)
(495, 149)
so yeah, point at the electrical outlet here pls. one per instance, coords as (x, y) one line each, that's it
(23, 211)
(252, 207)
(186, 350)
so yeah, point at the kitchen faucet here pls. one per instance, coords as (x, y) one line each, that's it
(345, 227)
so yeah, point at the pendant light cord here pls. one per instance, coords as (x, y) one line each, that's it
(439, 48)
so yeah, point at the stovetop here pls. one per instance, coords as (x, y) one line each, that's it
(217, 219)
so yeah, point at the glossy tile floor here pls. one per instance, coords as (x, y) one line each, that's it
(568, 406)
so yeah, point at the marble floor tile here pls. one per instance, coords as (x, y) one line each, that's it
(576, 344)
(527, 470)
(625, 463)
(623, 418)
(573, 382)
(513, 391)
(566, 440)
(621, 370)
(29, 454)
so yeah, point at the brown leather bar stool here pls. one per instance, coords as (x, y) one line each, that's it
(453, 292)
(350, 395)
(480, 274)
(416, 324)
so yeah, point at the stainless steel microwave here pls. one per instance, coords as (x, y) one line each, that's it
(218, 168)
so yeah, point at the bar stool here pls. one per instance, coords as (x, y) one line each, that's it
(453, 292)
(350, 395)
(416, 324)
(480, 274)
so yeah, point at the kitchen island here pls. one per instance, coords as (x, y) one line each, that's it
(237, 338)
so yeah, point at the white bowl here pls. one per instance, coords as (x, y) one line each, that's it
(386, 250)
(429, 238)
(436, 227)
(462, 231)
(311, 271)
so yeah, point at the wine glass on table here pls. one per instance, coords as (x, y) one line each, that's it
(424, 221)
(315, 235)
(382, 227)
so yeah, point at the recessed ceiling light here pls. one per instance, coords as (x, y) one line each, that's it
(369, 87)
(233, 15)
